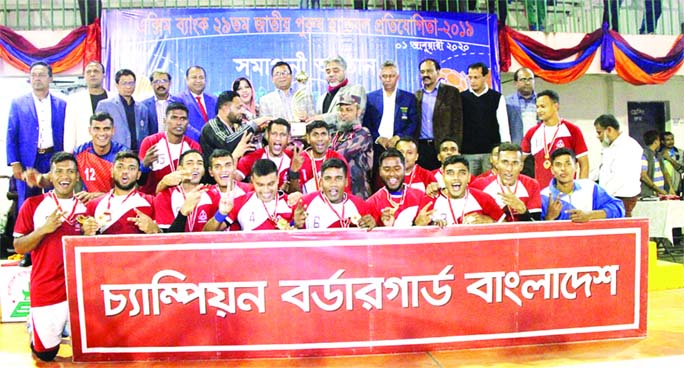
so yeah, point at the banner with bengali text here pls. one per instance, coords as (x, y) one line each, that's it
(310, 293)
(231, 43)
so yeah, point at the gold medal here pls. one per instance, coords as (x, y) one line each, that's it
(354, 219)
(81, 219)
(547, 164)
(283, 224)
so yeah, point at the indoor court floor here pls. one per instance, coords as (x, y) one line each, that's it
(662, 348)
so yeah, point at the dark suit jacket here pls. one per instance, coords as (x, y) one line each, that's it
(22, 129)
(122, 134)
(404, 122)
(194, 115)
(152, 109)
(447, 120)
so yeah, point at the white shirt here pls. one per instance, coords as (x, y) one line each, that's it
(501, 115)
(620, 172)
(386, 128)
(160, 106)
(44, 112)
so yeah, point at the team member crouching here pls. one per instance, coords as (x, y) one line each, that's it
(396, 204)
(124, 210)
(263, 209)
(186, 207)
(578, 200)
(460, 204)
(42, 222)
(516, 194)
(332, 206)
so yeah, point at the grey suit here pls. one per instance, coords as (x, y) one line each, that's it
(122, 134)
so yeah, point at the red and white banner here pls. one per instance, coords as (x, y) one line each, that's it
(304, 293)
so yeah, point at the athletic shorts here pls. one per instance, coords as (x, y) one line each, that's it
(46, 325)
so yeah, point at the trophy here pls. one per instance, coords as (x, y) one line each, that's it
(302, 104)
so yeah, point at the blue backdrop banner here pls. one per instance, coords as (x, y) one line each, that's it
(231, 43)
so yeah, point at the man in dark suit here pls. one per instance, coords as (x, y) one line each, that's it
(131, 119)
(156, 105)
(35, 120)
(440, 114)
(391, 113)
(201, 106)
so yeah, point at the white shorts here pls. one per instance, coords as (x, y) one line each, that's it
(46, 325)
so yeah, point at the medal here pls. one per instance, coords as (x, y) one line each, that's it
(547, 146)
(283, 224)
(354, 219)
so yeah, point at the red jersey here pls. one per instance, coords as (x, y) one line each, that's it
(409, 202)
(322, 214)
(112, 212)
(167, 157)
(541, 140)
(168, 202)
(310, 173)
(253, 214)
(419, 178)
(47, 275)
(244, 166)
(526, 188)
(95, 170)
(474, 201)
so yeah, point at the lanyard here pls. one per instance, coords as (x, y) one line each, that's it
(282, 158)
(453, 215)
(343, 221)
(273, 217)
(192, 216)
(168, 150)
(68, 219)
(547, 147)
(404, 189)
(515, 191)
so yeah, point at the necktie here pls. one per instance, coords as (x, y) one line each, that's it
(202, 109)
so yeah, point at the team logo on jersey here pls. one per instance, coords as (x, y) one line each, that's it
(560, 144)
(202, 217)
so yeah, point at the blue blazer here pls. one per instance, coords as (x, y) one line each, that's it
(115, 108)
(194, 115)
(22, 129)
(405, 123)
(515, 123)
(152, 109)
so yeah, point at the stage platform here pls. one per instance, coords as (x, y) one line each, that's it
(663, 347)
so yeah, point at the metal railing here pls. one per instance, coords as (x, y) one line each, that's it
(578, 16)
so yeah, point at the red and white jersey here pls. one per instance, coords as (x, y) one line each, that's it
(526, 188)
(409, 202)
(244, 166)
(419, 178)
(474, 201)
(253, 214)
(321, 214)
(310, 173)
(112, 212)
(167, 157)
(47, 275)
(486, 174)
(169, 202)
(565, 134)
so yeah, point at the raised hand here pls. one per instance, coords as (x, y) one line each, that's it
(150, 156)
(245, 145)
(424, 216)
(144, 223)
(192, 198)
(300, 215)
(297, 159)
(53, 221)
(554, 208)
